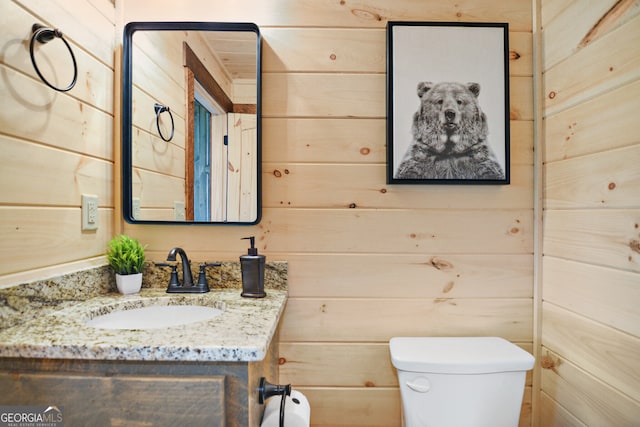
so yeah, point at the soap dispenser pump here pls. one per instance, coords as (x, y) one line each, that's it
(252, 266)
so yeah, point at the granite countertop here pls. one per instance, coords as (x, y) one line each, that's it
(241, 334)
(46, 319)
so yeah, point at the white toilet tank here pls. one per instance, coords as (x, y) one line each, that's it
(460, 382)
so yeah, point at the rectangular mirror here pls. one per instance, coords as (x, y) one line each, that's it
(191, 129)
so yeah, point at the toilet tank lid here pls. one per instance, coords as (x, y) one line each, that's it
(458, 355)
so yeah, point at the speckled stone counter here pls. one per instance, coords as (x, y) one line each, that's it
(47, 320)
(241, 333)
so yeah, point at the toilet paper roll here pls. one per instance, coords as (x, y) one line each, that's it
(297, 411)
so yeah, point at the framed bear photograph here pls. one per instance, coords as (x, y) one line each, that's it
(447, 103)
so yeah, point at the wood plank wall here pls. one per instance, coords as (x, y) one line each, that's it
(55, 146)
(158, 164)
(591, 232)
(368, 261)
(159, 173)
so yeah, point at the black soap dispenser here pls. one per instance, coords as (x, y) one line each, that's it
(252, 266)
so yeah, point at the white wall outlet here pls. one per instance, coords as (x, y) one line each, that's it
(178, 211)
(89, 212)
(136, 207)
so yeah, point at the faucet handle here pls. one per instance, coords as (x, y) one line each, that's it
(173, 280)
(202, 275)
(210, 264)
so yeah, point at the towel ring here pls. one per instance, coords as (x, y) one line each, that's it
(45, 35)
(159, 110)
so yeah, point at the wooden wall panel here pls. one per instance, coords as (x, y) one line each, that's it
(368, 407)
(34, 242)
(332, 95)
(67, 176)
(157, 164)
(172, 189)
(367, 259)
(88, 23)
(339, 186)
(92, 44)
(33, 112)
(584, 394)
(567, 28)
(338, 364)
(405, 231)
(322, 140)
(521, 94)
(520, 53)
(354, 406)
(599, 124)
(354, 243)
(590, 267)
(609, 179)
(324, 50)
(606, 237)
(351, 50)
(159, 69)
(57, 146)
(378, 320)
(609, 296)
(366, 14)
(606, 353)
(581, 78)
(353, 95)
(152, 153)
(423, 275)
(362, 141)
(555, 415)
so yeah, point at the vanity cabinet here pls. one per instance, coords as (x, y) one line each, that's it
(204, 374)
(134, 393)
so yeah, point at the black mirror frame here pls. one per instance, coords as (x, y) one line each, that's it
(127, 110)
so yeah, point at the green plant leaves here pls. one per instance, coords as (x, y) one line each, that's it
(125, 255)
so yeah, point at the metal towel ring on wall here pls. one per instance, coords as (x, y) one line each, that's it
(159, 110)
(44, 35)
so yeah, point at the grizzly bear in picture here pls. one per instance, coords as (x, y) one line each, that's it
(449, 136)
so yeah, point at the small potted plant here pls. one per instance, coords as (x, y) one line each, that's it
(126, 256)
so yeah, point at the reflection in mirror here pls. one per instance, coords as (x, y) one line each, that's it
(200, 84)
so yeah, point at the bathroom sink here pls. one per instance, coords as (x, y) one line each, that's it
(154, 317)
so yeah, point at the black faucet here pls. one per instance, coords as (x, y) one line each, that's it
(187, 278)
(187, 286)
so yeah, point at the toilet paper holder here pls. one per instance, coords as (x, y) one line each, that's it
(267, 390)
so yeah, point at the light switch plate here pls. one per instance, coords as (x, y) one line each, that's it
(178, 211)
(89, 212)
(136, 207)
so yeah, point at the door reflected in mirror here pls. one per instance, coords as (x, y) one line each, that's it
(191, 123)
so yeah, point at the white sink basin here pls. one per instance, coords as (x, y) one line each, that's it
(154, 317)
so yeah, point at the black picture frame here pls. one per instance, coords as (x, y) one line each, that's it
(448, 103)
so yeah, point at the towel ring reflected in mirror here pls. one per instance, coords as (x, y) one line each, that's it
(159, 110)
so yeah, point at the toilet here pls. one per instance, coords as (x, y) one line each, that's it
(460, 381)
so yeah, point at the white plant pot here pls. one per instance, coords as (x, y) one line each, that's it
(129, 283)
